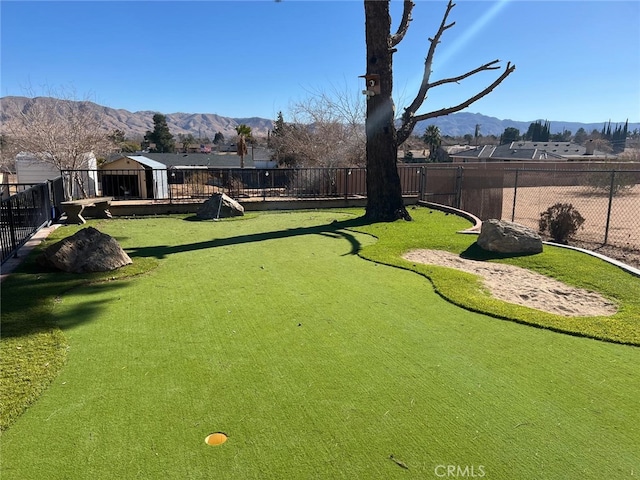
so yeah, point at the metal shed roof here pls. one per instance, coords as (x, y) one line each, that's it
(147, 162)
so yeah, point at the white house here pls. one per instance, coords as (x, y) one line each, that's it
(32, 170)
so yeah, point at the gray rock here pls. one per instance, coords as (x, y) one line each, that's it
(508, 237)
(213, 208)
(88, 250)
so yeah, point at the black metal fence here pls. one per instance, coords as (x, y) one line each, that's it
(25, 212)
(8, 189)
(199, 183)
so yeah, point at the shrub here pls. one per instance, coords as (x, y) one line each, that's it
(561, 220)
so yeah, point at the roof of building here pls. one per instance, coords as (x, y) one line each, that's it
(526, 150)
(565, 149)
(147, 162)
(216, 160)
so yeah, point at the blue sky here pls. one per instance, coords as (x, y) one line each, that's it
(575, 60)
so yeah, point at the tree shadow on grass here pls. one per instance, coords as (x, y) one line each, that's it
(29, 294)
(335, 229)
(475, 252)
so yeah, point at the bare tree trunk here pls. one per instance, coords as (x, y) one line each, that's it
(242, 149)
(384, 192)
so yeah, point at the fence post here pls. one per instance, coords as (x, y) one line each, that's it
(611, 187)
(12, 229)
(515, 193)
(264, 185)
(459, 175)
(346, 182)
(48, 203)
(421, 186)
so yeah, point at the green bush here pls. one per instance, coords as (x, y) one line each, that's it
(561, 221)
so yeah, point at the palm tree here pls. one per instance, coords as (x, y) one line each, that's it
(433, 139)
(244, 134)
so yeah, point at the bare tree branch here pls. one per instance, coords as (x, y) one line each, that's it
(58, 129)
(409, 124)
(424, 86)
(325, 130)
(404, 24)
(486, 66)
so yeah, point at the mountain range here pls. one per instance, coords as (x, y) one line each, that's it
(462, 123)
(200, 125)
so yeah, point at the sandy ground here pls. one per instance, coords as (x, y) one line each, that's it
(522, 286)
(624, 223)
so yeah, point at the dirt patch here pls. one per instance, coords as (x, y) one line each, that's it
(624, 221)
(624, 255)
(521, 286)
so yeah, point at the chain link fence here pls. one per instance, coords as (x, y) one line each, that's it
(607, 196)
(608, 200)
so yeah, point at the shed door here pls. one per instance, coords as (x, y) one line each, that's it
(120, 186)
(148, 178)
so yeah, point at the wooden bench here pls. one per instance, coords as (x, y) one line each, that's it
(74, 208)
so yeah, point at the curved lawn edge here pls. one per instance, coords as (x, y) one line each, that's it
(33, 353)
(466, 291)
(627, 268)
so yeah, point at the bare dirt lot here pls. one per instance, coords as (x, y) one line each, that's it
(623, 239)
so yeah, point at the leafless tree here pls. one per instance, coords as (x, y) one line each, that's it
(384, 193)
(598, 142)
(7, 155)
(324, 130)
(57, 129)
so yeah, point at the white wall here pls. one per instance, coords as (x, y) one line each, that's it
(29, 169)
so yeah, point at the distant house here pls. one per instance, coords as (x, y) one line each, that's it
(190, 160)
(33, 170)
(195, 148)
(413, 155)
(532, 152)
(226, 157)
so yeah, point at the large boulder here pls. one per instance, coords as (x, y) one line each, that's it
(88, 250)
(508, 237)
(220, 205)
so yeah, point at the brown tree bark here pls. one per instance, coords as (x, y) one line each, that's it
(384, 192)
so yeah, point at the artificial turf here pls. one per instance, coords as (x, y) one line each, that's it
(315, 363)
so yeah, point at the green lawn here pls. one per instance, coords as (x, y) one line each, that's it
(316, 362)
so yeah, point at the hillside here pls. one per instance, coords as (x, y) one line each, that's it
(463, 123)
(136, 124)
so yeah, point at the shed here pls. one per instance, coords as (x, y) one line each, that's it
(33, 170)
(134, 176)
